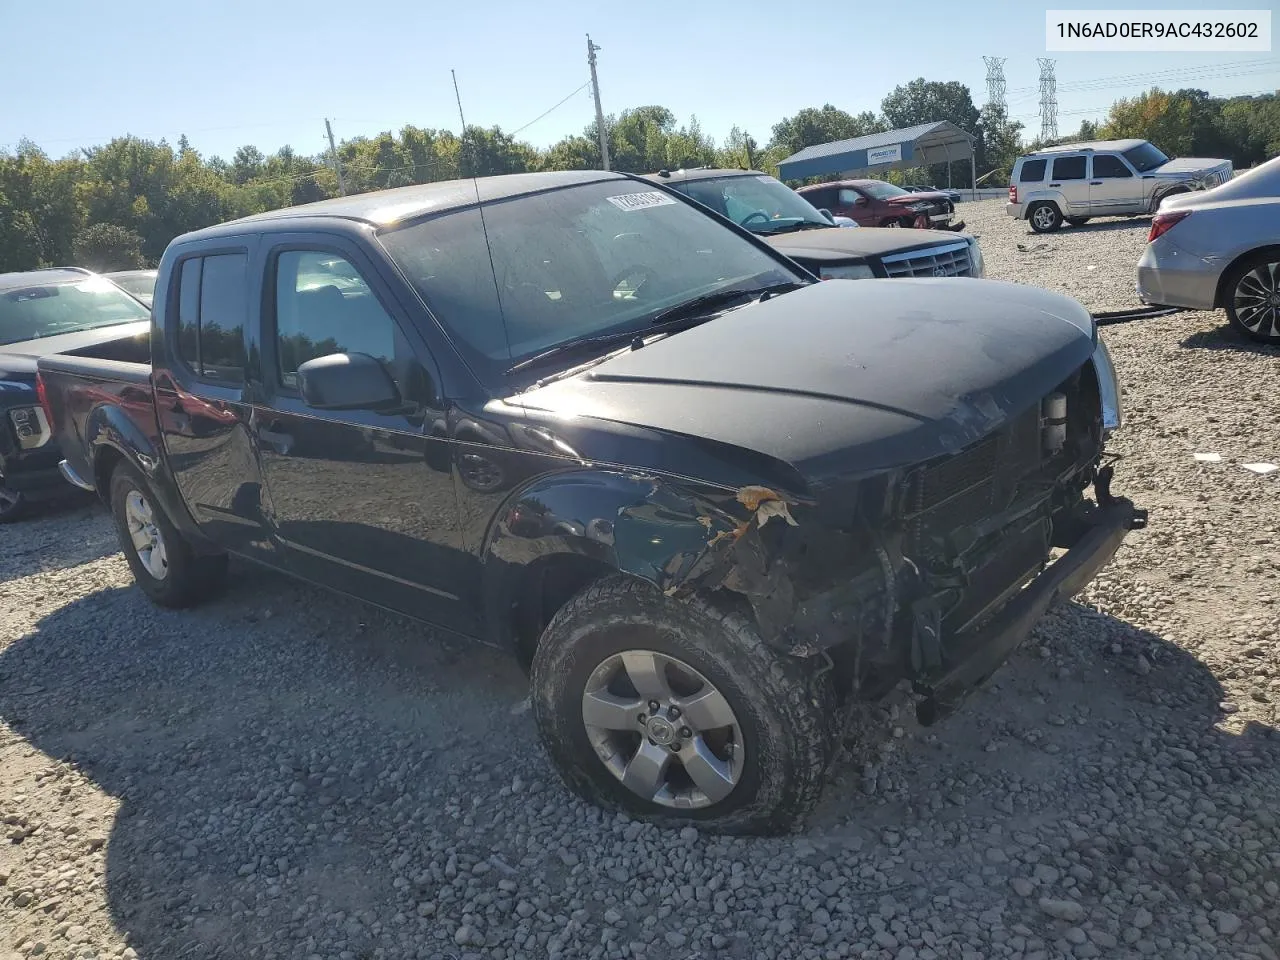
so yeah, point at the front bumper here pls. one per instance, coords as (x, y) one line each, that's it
(985, 650)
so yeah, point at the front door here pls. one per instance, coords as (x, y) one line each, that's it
(356, 505)
(855, 206)
(1113, 189)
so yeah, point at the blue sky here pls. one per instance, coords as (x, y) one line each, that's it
(77, 72)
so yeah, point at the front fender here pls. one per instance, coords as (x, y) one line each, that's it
(652, 527)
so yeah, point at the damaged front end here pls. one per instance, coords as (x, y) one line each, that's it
(934, 573)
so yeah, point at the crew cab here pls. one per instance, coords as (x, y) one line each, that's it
(65, 310)
(876, 203)
(726, 500)
(790, 223)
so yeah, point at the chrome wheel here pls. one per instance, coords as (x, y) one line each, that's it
(1256, 300)
(148, 542)
(663, 729)
(1043, 217)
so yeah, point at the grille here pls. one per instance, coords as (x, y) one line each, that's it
(945, 260)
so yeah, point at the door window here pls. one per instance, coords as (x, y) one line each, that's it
(324, 306)
(1108, 166)
(849, 197)
(213, 300)
(1068, 168)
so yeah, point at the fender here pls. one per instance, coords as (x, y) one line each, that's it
(650, 526)
(110, 434)
(1171, 188)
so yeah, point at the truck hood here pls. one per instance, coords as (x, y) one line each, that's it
(18, 360)
(836, 243)
(1186, 166)
(911, 198)
(842, 379)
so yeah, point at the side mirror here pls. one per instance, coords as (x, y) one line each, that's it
(827, 215)
(346, 381)
(860, 202)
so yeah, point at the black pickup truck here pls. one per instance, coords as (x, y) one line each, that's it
(706, 499)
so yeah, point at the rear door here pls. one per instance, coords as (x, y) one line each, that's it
(1113, 187)
(1069, 176)
(363, 500)
(200, 393)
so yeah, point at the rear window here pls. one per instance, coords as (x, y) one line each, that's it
(213, 298)
(1032, 171)
(1068, 168)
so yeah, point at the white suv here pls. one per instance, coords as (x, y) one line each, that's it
(1105, 178)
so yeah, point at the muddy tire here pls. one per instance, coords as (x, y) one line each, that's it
(1044, 217)
(741, 736)
(164, 564)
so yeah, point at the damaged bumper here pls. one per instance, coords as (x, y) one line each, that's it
(992, 644)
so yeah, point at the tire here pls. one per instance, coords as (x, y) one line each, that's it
(1251, 294)
(13, 505)
(890, 222)
(1077, 221)
(783, 711)
(1044, 217)
(175, 576)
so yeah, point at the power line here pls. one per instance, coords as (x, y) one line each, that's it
(545, 112)
(1173, 73)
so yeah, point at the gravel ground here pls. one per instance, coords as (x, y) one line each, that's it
(286, 774)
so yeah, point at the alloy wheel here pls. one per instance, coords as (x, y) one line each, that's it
(1043, 217)
(148, 541)
(663, 729)
(1257, 300)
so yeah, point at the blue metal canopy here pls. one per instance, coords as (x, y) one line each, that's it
(918, 146)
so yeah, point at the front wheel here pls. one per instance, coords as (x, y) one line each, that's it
(678, 712)
(1044, 217)
(163, 562)
(1252, 298)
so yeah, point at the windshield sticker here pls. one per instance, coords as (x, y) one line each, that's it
(640, 201)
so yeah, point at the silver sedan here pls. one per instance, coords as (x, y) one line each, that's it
(1220, 248)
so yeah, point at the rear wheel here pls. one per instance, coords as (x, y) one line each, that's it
(1044, 217)
(1251, 295)
(678, 712)
(163, 562)
(891, 222)
(1077, 221)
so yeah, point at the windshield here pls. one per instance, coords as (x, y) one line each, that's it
(139, 284)
(576, 262)
(29, 313)
(759, 203)
(1145, 157)
(880, 190)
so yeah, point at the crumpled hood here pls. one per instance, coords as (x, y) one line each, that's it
(911, 198)
(1186, 166)
(840, 379)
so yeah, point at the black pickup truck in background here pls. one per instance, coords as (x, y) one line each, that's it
(708, 500)
(68, 311)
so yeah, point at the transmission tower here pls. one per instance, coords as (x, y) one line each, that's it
(1048, 100)
(995, 81)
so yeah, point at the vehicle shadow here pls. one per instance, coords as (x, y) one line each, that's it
(56, 534)
(1108, 224)
(295, 770)
(1225, 337)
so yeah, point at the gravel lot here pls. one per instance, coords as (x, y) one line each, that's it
(286, 774)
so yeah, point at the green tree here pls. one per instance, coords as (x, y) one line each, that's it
(108, 246)
(928, 101)
(1000, 144)
(814, 125)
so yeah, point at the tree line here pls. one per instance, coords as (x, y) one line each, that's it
(118, 205)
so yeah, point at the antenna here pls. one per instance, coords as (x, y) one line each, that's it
(484, 227)
(995, 81)
(1048, 100)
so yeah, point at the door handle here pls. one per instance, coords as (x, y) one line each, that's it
(1055, 184)
(1095, 183)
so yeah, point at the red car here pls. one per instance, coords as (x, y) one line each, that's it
(875, 203)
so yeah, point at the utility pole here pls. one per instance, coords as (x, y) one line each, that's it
(1048, 100)
(595, 88)
(337, 164)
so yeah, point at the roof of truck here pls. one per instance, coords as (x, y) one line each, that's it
(384, 207)
(1098, 145)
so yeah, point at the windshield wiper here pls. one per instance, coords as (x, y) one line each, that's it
(709, 301)
(805, 225)
(580, 345)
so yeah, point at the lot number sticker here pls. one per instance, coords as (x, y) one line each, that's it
(640, 201)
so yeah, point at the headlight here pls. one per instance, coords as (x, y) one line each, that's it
(977, 266)
(919, 207)
(32, 428)
(847, 271)
(1108, 388)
